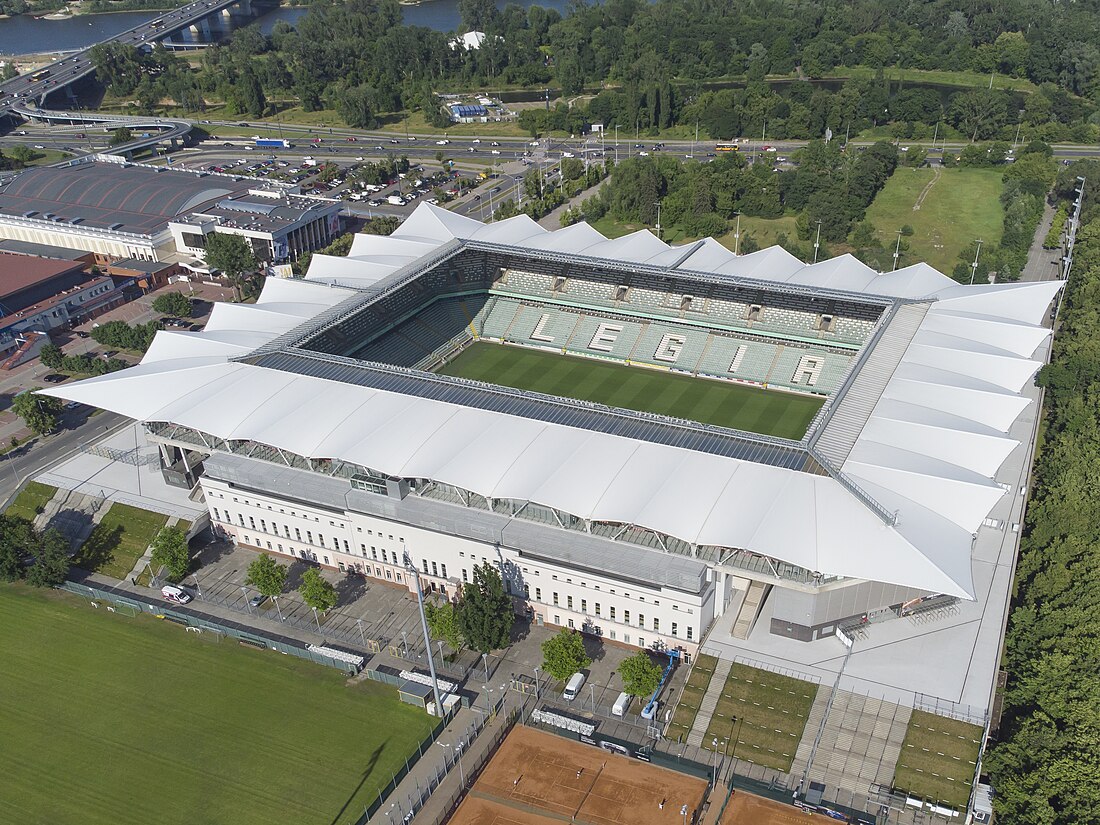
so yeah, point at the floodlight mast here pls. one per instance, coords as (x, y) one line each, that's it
(411, 568)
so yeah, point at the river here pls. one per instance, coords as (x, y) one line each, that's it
(26, 35)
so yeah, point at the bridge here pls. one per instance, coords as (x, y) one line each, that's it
(16, 93)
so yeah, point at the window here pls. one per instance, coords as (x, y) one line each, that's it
(611, 610)
(263, 525)
(571, 623)
(538, 594)
(555, 599)
(373, 552)
(297, 534)
(435, 570)
(443, 569)
(557, 619)
(252, 522)
(347, 549)
(526, 592)
(465, 578)
(584, 605)
(268, 545)
(626, 616)
(641, 620)
(424, 564)
(216, 516)
(689, 633)
(597, 608)
(657, 625)
(569, 602)
(309, 536)
(280, 548)
(674, 633)
(641, 642)
(320, 539)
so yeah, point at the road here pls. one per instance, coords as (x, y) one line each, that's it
(29, 87)
(79, 427)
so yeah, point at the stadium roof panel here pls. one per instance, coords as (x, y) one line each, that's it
(918, 430)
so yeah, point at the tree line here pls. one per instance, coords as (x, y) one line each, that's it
(653, 65)
(1046, 760)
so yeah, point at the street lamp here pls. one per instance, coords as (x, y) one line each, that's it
(244, 595)
(317, 619)
(458, 757)
(538, 696)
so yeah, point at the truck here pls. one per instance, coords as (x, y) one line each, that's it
(272, 143)
(396, 200)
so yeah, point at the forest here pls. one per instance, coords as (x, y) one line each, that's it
(1045, 765)
(649, 66)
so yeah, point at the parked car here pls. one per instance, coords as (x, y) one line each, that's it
(54, 378)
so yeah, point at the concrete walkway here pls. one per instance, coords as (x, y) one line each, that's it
(74, 514)
(709, 703)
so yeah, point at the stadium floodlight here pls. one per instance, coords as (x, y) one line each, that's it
(411, 568)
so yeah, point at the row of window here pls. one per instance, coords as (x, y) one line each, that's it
(611, 612)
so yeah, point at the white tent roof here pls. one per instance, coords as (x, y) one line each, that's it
(927, 453)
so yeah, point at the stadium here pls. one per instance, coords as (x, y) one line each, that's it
(655, 444)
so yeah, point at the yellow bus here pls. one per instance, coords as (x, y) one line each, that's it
(727, 147)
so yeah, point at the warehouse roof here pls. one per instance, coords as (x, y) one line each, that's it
(20, 272)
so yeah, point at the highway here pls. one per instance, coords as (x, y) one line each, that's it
(28, 88)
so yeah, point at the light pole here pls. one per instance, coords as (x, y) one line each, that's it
(278, 608)
(616, 144)
(817, 244)
(458, 757)
(538, 696)
(737, 236)
(897, 253)
(658, 204)
(411, 568)
(684, 813)
(973, 266)
(244, 595)
(317, 619)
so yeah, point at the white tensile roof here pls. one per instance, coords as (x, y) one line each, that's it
(926, 453)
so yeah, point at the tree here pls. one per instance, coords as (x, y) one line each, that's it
(486, 616)
(232, 255)
(51, 356)
(120, 136)
(39, 412)
(170, 552)
(267, 575)
(21, 153)
(564, 654)
(640, 674)
(17, 539)
(317, 592)
(443, 623)
(51, 563)
(173, 303)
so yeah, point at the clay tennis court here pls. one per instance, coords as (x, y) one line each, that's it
(746, 809)
(533, 780)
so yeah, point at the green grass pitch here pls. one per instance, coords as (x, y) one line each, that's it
(113, 719)
(725, 404)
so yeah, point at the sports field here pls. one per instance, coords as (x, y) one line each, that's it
(722, 403)
(536, 778)
(113, 719)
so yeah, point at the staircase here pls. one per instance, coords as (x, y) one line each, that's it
(750, 609)
(709, 703)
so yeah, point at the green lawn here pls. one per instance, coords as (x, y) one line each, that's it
(692, 696)
(764, 231)
(119, 540)
(31, 500)
(938, 758)
(637, 388)
(760, 716)
(111, 719)
(960, 206)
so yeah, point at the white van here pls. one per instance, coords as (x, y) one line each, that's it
(621, 704)
(573, 687)
(175, 594)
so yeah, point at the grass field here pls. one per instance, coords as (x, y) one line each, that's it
(959, 206)
(765, 231)
(937, 758)
(692, 697)
(760, 716)
(636, 388)
(119, 540)
(110, 719)
(31, 500)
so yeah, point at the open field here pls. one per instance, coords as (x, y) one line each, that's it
(636, 388)
(687, 708)
(765, 231)
(31, 500)
(119, 540)
(537, 777)
(760, 716)
(938, 758)
(110, 719)
(959, 206)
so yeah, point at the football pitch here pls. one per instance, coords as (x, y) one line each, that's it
(725, 404)
(115, 719)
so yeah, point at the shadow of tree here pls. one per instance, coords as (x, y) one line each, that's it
(99, 549)
(593, 647)
(350, 588)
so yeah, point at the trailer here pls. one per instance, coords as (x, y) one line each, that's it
(272, 143)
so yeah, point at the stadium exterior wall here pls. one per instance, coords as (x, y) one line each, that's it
(103, 242)
(619, 610)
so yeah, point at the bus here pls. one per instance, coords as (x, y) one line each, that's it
(727, 147)
(42, 75)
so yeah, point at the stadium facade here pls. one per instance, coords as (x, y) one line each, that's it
(318, 428)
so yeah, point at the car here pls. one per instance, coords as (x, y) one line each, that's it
(39, 146)
(81, 334)
(394, 140)
(352, 140)
(477, 197)
(496, 151)
(72, 405)
(478, 140)
(54, 378)
(257, 600)
(442, 142)
(175, 594)
(494, 143)
(495, 189)
(644, 154)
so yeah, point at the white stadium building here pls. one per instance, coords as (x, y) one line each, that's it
(317, 429)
